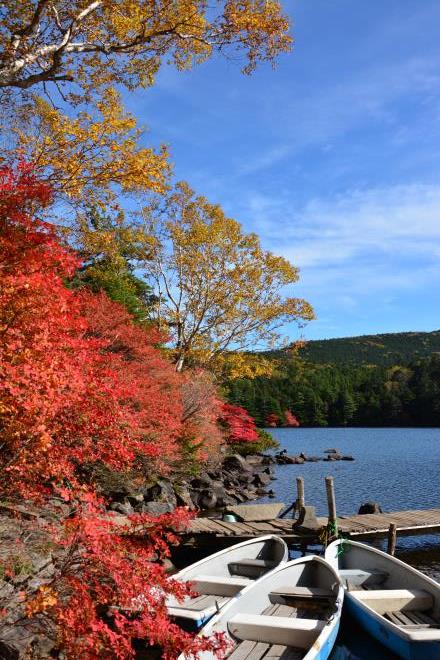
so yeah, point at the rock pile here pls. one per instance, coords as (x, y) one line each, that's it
(283, 458)
(235, 481)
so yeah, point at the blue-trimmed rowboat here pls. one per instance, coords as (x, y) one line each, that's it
(292, 612)
(395, 603)
(221, 577)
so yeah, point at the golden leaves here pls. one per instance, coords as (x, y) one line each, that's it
(45, 598)
(259, 28)
(98, 43)
(231, 366)
(94, 154)
(217, 287)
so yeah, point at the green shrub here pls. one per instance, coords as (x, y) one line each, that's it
(264, 443)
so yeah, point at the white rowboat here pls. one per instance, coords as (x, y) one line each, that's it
(395, 603)
(222, 576)
(292, 612)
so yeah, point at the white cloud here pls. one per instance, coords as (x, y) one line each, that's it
(366, 256)
(368, 224)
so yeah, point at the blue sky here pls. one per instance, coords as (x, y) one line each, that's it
(333, 158)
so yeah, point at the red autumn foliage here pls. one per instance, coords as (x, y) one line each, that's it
(272, 420)
(240, 426)
(80, 384)
(120, 575)
(154, 389)
(290, 419)
(79, 381)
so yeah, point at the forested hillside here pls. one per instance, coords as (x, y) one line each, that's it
(385, 349)
(381, 380)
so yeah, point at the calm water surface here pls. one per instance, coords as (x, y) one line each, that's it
(398, 468)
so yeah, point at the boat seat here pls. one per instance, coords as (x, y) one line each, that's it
(219, 585)
(394, 600)
(197, 604)
(287, 631)
(197, 613)
(355, 578)
(252, 568)
(283, 594)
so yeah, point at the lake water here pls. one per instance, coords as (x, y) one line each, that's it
(398, 468)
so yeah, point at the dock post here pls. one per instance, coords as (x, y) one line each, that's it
(300, 500)
(329, 486)
(392, 538)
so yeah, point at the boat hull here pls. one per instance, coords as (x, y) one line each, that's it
(362, 565)
(377, 627)
(324, 651)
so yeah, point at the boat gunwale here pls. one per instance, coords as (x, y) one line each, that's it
(257, 539)
(380, 618)
(381, 553)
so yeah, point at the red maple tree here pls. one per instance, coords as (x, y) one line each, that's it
(240, 426)
(290, 419)
(81, 385)
(272, 420)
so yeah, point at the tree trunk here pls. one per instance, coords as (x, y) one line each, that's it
(179, 363)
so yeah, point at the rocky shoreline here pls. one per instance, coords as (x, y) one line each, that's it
(236, 480)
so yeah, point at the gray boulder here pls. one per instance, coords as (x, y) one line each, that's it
(125, 508)
(207, 499)
(183, 496)
(236, 463)
(157, 508)
(262, 479)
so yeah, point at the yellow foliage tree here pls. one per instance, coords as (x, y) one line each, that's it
(93, 156)
(95, 43)
(230, 365)
(216, 288)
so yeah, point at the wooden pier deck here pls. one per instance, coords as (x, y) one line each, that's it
(366, 526)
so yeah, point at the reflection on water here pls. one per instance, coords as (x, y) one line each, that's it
(398, 468)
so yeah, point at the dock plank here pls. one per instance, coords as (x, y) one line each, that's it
(209, 525)
(256, 512)
(283, 524)
(243, 528)
(263, 527)
(229, 528)
(200, 526)
(409, 522)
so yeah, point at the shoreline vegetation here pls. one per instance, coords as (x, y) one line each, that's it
(342, 390)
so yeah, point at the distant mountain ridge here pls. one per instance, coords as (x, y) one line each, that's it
(373, 380)
(383, 349)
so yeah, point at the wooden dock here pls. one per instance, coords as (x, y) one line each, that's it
(366, 526)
